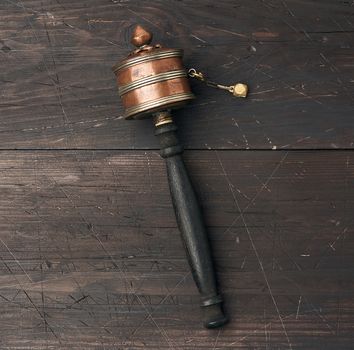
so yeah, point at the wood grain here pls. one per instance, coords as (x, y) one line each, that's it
(58, 91)
(91, 256)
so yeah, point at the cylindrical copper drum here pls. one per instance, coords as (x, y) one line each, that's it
(151, 81)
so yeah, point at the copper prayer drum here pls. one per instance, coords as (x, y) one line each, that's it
(152, 78)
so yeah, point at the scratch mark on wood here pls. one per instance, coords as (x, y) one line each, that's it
(96, 236)
(259, 192)
(255, 252)
(198, 38)
(15, 259)
(298, 307)
(216, 339)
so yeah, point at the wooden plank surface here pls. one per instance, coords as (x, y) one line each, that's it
(58, 91)
(91, 256)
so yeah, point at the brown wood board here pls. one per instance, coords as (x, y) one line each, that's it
(91, 256)
(58, 91)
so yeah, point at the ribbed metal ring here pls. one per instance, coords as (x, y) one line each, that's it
(157, 103)
(147, 58)
(152, 79)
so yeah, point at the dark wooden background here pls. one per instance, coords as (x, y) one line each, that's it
(90, 254)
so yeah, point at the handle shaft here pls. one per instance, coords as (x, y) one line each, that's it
(191, 225)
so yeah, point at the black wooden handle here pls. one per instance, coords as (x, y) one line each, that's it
(191, 226)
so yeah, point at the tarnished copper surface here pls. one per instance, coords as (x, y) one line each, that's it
(142, 70)
(152, 78)
(155, 91)
(147, 54)
(161, 104)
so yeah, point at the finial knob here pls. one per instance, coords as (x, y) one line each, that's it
(141, 37)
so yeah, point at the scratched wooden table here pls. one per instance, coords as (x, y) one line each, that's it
(90, 254)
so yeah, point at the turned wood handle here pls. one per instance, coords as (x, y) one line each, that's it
(191, 225)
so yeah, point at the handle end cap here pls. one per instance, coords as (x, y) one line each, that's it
(214, 316)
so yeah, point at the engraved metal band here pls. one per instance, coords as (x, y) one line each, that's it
(157, 103)
(152, 79)
(148, 57)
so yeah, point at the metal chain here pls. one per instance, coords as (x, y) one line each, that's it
(238, 90)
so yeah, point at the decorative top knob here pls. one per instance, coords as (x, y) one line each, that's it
(141, 37)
